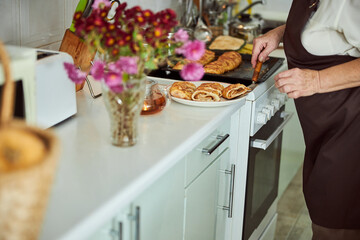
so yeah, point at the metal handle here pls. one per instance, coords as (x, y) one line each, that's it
(263, 144)
(91, 89)
(231, 192)
(120, 231)
(137, 223)
(117, 234)
(208, 151)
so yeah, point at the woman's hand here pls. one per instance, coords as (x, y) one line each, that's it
(265, 44)
(298, 82)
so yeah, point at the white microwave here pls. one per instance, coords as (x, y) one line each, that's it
(45, 96)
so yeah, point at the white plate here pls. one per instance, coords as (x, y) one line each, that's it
(222, 102)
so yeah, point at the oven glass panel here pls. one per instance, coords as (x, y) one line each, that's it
(265, 177)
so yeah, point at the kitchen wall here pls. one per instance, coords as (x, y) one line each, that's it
(273, 9)
(42, 23)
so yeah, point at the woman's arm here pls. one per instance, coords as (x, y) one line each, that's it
(304, 82)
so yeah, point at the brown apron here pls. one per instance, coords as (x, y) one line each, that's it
(331, 128)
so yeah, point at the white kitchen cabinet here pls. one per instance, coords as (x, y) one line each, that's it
(191, 201)
(226, 175)
(122, 225)
(208, 197)
(160, 209)
(104, 233)
(158, 212)
(117, 228)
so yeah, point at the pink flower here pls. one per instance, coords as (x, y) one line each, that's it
(181, 50)
(97, 3)
(74, 73)
(192, 72)
(128, 64)
(114, 67)
(114, 81)
(194, 50)
(97, 70)
(181, 36)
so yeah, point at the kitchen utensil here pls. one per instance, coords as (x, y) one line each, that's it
(202, 32)
(246, 28)
(82, 5)
(257, 70)
(75, 46)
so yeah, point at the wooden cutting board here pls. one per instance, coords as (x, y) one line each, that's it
(77, 48)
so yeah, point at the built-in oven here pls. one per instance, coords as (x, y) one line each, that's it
(263, 173)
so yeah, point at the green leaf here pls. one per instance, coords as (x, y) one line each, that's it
(150, 65)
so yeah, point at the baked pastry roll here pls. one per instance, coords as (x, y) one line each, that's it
(182, 90)
(215, 86)
(235, 90)
(226, 62)
(208, 92)
(205, 59)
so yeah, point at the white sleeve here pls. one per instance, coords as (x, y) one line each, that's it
(334, 29)
(349, 24)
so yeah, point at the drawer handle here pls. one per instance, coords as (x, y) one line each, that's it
(221, 139)
(120, 231)
(137, 223)
(231, 192)
(136, 218)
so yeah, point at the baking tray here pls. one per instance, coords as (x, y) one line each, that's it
(242, 74)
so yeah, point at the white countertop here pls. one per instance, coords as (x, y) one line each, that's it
(95, 179)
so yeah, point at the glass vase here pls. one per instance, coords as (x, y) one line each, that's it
(124, 110)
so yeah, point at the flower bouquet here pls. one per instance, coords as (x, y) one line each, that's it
(128, 43)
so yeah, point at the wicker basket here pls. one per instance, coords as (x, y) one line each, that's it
(24, 184)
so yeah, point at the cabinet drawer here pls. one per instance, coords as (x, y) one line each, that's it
(206, 152)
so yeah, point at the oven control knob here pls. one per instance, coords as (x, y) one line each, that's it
(275, 103)
(271, 108)
(261, 118)
(267, 113)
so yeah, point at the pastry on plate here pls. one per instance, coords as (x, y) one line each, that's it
(182, 89)
(208, 92)
(226, 62)
(226, 43)
(235, 90)
(205, 59)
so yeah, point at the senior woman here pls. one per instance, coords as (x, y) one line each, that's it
(322, 46)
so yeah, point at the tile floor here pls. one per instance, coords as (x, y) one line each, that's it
(293, 218)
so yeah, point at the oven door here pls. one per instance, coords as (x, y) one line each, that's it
(263, 171)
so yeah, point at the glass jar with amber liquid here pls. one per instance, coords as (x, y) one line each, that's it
(155, 98)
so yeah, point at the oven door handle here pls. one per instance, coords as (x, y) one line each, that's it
(263, 144)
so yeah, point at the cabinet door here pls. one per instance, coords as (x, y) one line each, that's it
(159, 211)
(226, 174)
(206, 202)
(121, 225)
(104, 233)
